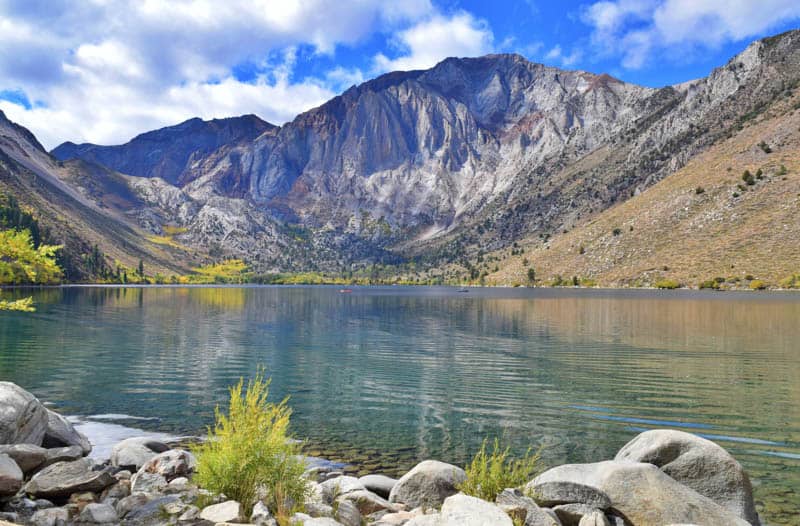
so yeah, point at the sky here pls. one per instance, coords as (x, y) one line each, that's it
(103, 71)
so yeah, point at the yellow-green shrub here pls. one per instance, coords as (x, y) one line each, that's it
(667, 284)
(249, 449)
(490, 473)
(757, 284)
(792, 282)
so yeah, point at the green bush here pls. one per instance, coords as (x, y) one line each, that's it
(708, 284)
(699, 190)
(765, 147)
(490, 473)
(757, 284)
(748, 178)
(792, 282)
(249, 451)
(667, 284)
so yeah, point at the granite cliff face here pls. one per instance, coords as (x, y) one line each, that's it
(471, 153)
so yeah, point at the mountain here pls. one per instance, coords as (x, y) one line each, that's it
(435, 166)
(37, 182)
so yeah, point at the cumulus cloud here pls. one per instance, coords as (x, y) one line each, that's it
(556, 54)
(436, 38)
(637, 29)
(103, 71)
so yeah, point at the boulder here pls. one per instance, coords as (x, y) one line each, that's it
(425, 520)
(643, 494)
(127, 504)
(50, 517)
(367, 502)
(144, 482)
(594, 519)
(378, 484)
(99, 514)
(63, 454)
(133, 453)
(463, 510)
(27, 456)
(429, 483)
(11, 477)
(61, 433)
(553, 493)
(698, 463)
(228, 511)
(23, 419)
(534, 515)
(62, 479)
(149, 510)
(347, 513)
(171, 464)
(332, 488)
(573, 514)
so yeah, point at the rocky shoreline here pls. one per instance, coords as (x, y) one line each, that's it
(660, 477)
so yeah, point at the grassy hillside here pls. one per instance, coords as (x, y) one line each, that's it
(703, 222)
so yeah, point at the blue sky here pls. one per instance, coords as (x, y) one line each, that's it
(105, 71)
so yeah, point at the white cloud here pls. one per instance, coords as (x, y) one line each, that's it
(637, 29)
(436, 38)
(556, 54)
(103, 71)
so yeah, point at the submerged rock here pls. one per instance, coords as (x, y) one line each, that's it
(429, 483)
(697, 463)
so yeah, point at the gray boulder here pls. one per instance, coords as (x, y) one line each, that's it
(23, 419)
(572, 514)
(148, 510)
(151, 483)
(594, 519)
(133, 453)
(428, 484)
(553, 493)
(65, 478)
(63, 454)
(513, 498)
(332, 488)
(61, 433)
(98, 513)
(348, 514)
(11, 476)
(27, 456)
(643, 494)
(698, 463)
(378, 484)
(367, 502)
(171, 464)
(463, 510)
(229, 511)
(50, 517)
(261, 516)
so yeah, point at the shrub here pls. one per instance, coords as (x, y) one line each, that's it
(699, 190)
(783, 170)
(249, 451)
(757, 284)
(667, 284)
(792, 282)
(490, 473)
(765, 147)
(708, 284)
(616, 231)
(531, 274)
(747, 177)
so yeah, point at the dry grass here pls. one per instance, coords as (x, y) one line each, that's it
(673, 232)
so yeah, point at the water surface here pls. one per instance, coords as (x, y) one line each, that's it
(386, 376)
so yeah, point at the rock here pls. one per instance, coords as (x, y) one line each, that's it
(81, 500)
(11, 477)
(228, 511)
(368, 502)
(573, 514)
(50, 517)
(378, 484)
(399, 518)
(144, 482)
(425, 520)
(23, 419)
(118, 491)
(99, 514)
(321, 521)
(318, 509)
(62, 479)
(133, 453)
(549, 494)
(595, 519)
(643, 494)
(63, 454)
(61, 433)
(27, 456)
(171, 464)
(193, 512)
(334, 487)
(463, 510)
(429, 483)
(347, 513)
(123, 475)
(534, 516)
(131, 502)
(261, 515)
(698, 463)
(11, 517)
(150, 510)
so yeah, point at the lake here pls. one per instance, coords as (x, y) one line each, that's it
(386, 376)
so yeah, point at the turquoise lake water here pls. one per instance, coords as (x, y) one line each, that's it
(386, 376)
